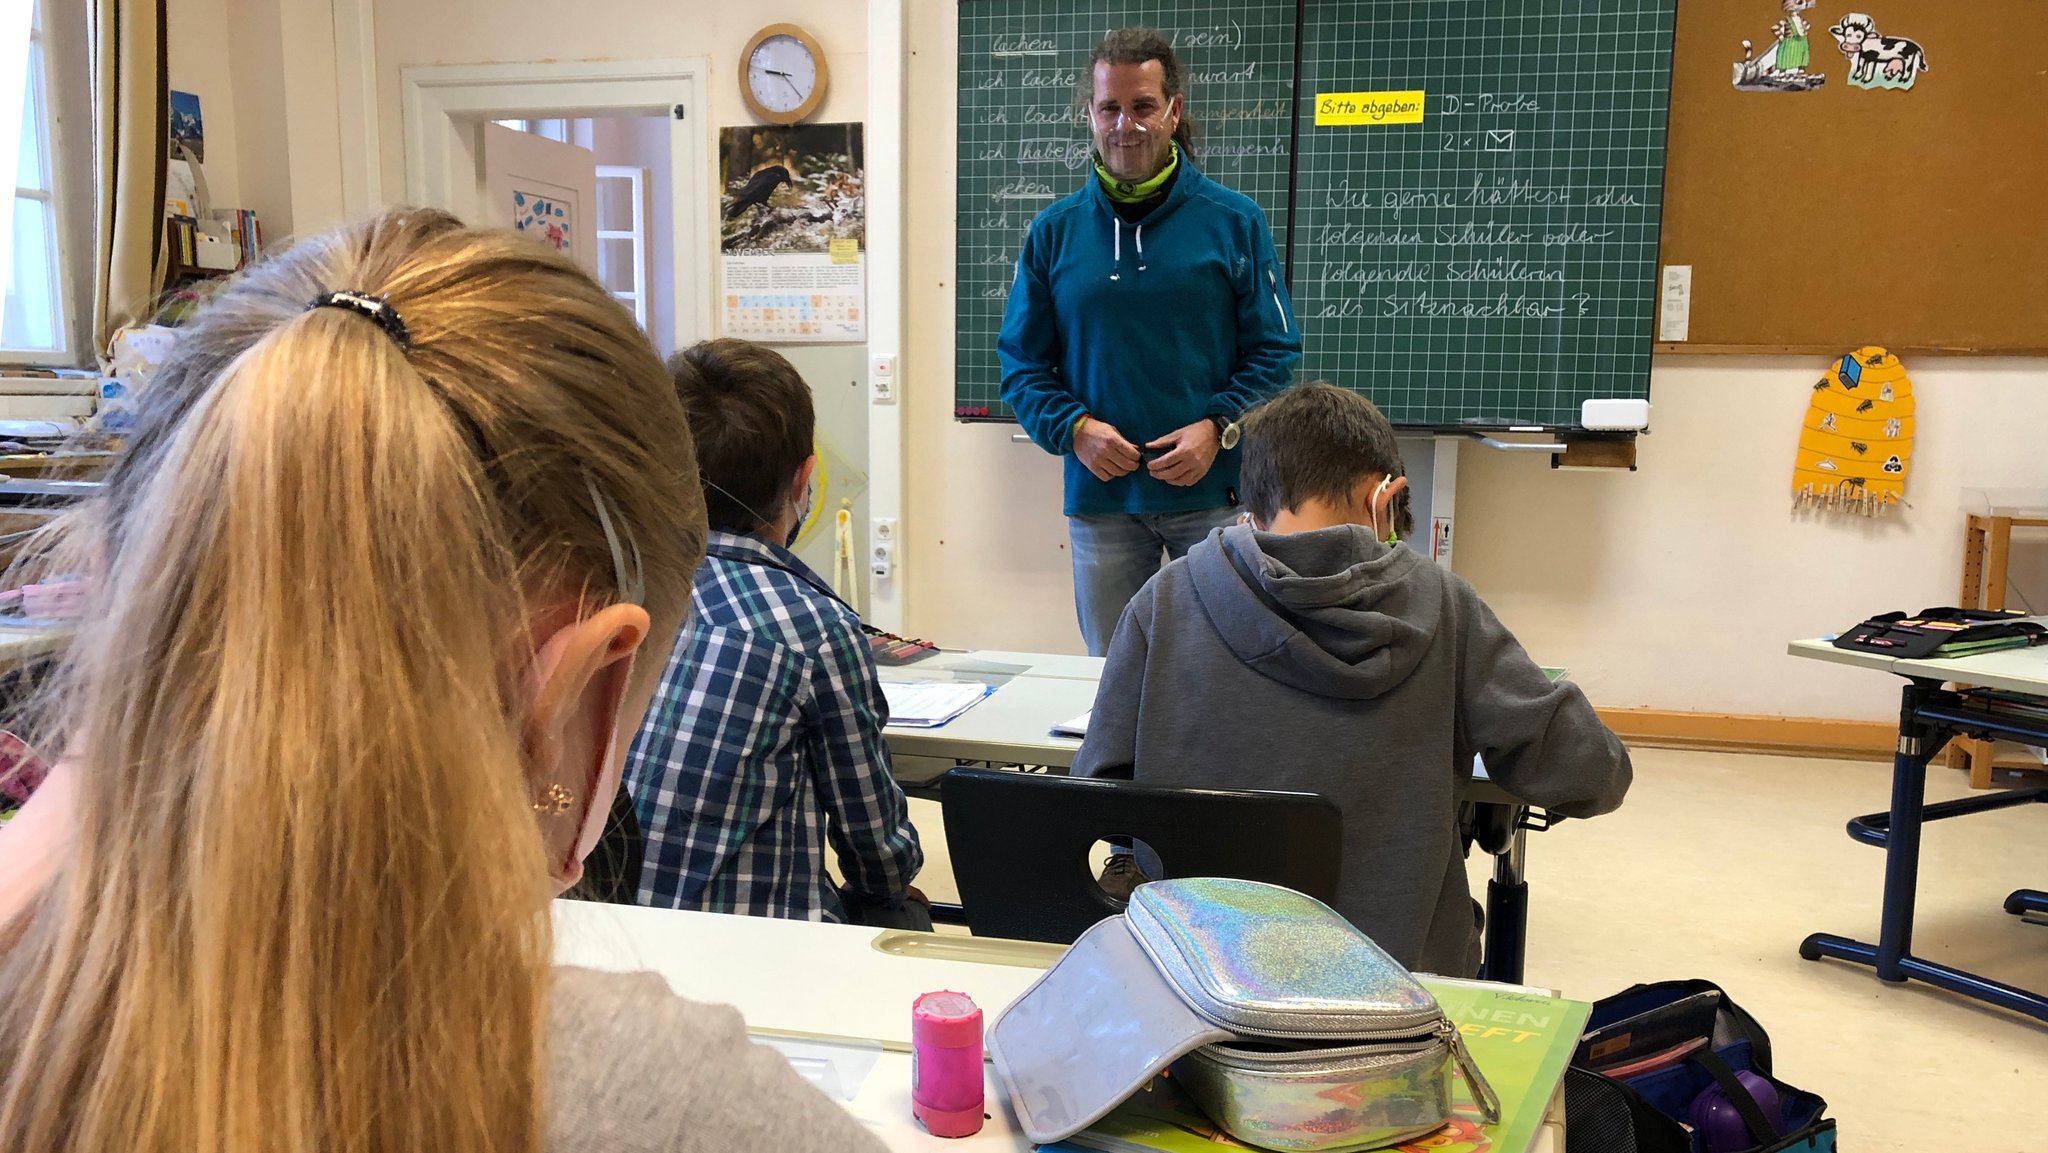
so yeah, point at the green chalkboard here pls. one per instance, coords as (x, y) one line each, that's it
(1496, 263)
(1023, 143)
(1490, 266)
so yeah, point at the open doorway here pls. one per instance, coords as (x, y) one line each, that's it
(618, 152)
(633, 229)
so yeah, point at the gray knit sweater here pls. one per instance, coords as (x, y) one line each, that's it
(633, 1068)
(1327, 662)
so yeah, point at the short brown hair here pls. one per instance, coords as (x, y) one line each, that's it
(750, 414)
(1317, 441)
(1136, 45)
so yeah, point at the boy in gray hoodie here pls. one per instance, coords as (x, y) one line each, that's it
(1305, 651)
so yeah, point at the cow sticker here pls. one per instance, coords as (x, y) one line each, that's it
(1875, 60)
(1786, 64)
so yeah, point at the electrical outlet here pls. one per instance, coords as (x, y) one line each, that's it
(882, 560)
(882, 376)
(885, 529)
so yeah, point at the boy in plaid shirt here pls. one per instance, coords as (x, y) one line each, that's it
(764, 740)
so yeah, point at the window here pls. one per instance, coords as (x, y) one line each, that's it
(36, 326)
(622, 236)
(557, 130)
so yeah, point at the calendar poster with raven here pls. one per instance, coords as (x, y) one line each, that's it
(792, 232)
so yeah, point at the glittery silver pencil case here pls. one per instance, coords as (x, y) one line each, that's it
(1288, 1026)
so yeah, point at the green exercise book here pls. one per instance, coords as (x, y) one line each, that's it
(1972, 648)
(1522, 1039)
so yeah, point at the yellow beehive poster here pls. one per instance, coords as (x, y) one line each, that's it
(1858, 438)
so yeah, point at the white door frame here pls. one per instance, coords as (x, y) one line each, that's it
(442, 103)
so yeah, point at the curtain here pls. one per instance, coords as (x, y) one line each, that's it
(131, 137)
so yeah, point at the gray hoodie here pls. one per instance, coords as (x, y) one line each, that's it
(1330, 663)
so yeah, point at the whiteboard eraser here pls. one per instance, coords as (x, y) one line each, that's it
(1615, 415)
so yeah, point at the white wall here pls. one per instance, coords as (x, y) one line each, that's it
(199, 47)
(1676, 587)
(411, 33)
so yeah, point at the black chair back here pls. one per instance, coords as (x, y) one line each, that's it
(1020, 844)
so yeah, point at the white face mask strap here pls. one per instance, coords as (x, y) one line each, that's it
(631, 590)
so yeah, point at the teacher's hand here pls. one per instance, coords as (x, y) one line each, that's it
(1191, 450)
(1104, 450)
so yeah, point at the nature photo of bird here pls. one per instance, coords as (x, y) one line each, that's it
(758, 189)
(789, 190)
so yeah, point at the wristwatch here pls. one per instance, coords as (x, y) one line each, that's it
(1227, 431)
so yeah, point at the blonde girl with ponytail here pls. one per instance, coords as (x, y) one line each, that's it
(368, 588)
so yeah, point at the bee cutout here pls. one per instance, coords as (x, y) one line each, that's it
(1866, 406)
(1858, 447)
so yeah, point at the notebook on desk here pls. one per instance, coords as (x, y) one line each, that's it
(1078, 727)
(929, 704)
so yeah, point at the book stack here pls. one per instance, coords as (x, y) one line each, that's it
(245, 231)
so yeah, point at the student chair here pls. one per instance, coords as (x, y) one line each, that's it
(1020, 844)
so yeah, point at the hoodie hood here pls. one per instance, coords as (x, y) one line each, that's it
(1331, 612)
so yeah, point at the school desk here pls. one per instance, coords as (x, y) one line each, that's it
(799, 982)
(1990, 515)
(1930, 715)
(1035, 691)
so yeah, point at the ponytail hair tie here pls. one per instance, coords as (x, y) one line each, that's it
(374, 307)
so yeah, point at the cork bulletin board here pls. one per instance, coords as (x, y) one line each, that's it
(1843, 215)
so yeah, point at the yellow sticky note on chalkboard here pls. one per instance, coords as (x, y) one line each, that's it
(1348, 108)
(844, 250)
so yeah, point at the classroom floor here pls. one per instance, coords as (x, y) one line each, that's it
(1720, 863)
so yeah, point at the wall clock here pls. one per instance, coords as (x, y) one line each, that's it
(782, 74)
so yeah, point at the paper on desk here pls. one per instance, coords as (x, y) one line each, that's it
(837, 1067)
(1078, 727)
(929, 704)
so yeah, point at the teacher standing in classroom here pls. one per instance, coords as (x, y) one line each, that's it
(1148, 314)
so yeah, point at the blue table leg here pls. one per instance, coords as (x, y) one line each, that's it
(1922, 733)
(2023, 901)
(1902, 846)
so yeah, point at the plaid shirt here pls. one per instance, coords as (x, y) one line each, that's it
(767, 726)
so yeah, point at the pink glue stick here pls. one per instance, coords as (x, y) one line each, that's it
(945, 1064)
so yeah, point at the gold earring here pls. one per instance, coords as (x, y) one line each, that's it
(554, 801)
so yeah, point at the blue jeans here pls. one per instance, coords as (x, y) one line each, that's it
(1115, 554)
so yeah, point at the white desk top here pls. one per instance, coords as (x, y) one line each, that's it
(2014, 670)
(2013, 502)
(1012, 725)
(823, 980)
(1819, 650)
